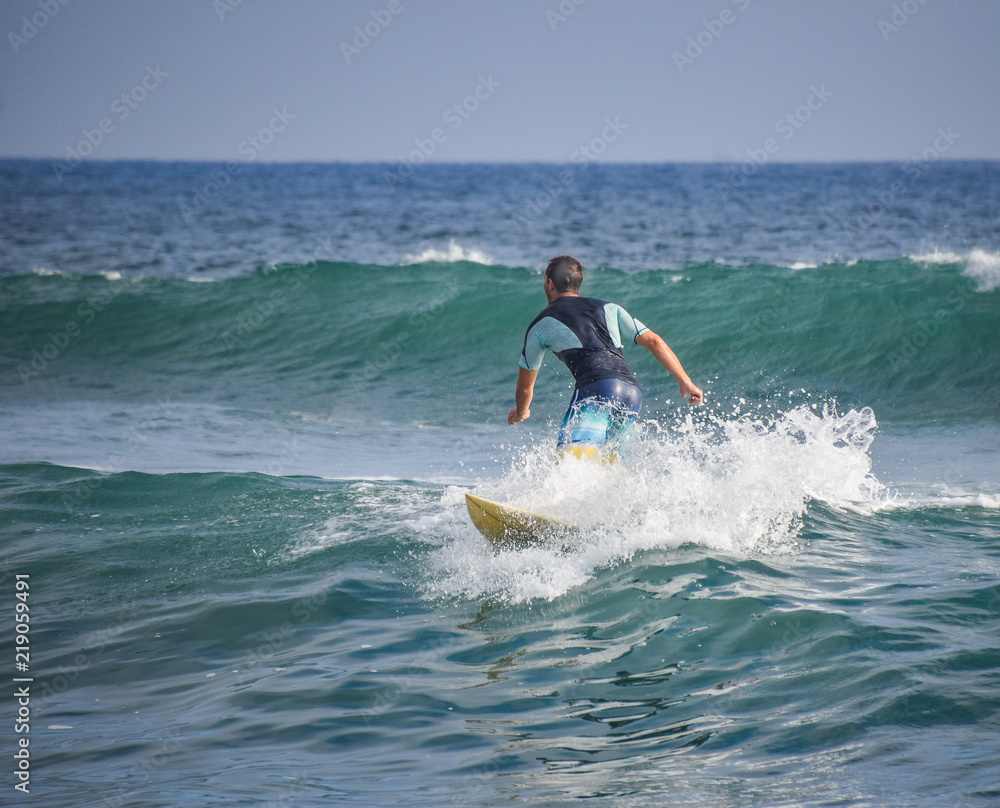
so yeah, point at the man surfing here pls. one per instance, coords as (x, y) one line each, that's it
(587, 335)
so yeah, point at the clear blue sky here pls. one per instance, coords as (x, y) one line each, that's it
(678, 81)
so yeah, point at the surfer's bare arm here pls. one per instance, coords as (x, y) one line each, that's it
(522, 396)
(666, 357)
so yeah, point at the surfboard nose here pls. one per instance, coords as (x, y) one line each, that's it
(507, 526)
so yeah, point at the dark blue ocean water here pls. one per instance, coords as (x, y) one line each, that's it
(241, 405)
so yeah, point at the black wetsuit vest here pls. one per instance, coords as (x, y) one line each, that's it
(597, 357)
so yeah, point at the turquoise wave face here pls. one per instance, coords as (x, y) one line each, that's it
(914, 340)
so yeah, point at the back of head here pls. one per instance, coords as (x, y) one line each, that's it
(566, 273)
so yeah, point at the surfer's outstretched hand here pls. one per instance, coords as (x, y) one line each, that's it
(690, 390)
(514, 418)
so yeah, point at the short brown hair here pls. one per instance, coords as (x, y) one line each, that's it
(565, 272)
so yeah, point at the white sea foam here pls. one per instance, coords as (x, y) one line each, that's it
(985, 268)
(977, 500)
(317, 540)
(945, 496)
(938, 256)
(739, 486)
(369, 509)
(45, 272)
(833, 260)
(454, 252)
(981, 265)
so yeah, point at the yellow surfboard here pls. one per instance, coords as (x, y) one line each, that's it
(507, 526)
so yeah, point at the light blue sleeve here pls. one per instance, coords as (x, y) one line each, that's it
(547, 333)
(534, 350)
(622, 325)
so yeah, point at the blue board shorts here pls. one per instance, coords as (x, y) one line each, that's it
(600, 413)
